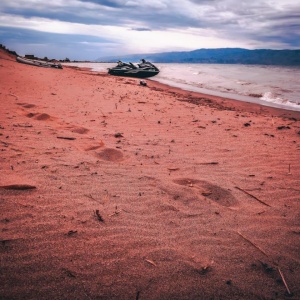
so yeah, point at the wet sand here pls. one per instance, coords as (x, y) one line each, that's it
(113, 190)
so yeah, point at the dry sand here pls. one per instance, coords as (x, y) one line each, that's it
(113, 190)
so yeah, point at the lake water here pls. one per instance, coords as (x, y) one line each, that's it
(267, 85)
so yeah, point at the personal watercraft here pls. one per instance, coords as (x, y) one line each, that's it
(143, 70)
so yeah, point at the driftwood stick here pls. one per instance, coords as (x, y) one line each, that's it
(289, 173)
(23, 125)
(256, 246)
(90, 196)
(99, 217)
(283, 279)
(151, 262)
(13, 95)
(137, 297)
(66, 138)
(116, 212)
(4, 143)
(103, 115)
(173, 169)
(20, 187)
(261, 250)
(260, 201)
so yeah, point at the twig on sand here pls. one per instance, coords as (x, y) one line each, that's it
(262, 202)
(173, 169)
(19, 187)
(4, 143)
(151, 262)
(261, 250)
(66, 138)
(99, 217)
(137, 297)
(257, 247)
(103, 115)
(116, 212)
(71, 232)
(23, 125)
(90, 196)
(13, 95)
(69, 273)
(283, 279)
(209, 163)
(289, 173)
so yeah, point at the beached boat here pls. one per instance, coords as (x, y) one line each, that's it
(143, 70)
(38, 63)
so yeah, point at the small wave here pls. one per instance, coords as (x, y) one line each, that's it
(286, 90)
(243, 82)
(271, 97)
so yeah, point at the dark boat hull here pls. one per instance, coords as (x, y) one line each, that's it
(38, 63)
(138, 73)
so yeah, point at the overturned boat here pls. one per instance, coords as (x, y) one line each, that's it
(142, 70)
(38, 63)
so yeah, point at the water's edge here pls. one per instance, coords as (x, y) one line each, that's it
(270, 86)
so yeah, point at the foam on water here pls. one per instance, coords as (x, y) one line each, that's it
(265, 85)
(272, 98)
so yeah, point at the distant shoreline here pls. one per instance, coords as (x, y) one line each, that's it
(220, 56)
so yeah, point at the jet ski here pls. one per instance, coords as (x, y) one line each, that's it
(142, 70)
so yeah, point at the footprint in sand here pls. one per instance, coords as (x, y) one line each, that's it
(42, 117)
(95, 146)
(46, 117)
(34, 115)
(110, 154)
(30, 115)
(26, 105)
(39, 117)
(77, 129)
(213, 192)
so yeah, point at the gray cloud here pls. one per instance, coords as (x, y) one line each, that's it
(141, 29)
(273, 23)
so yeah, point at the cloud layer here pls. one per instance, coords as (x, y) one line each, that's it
(88, 29)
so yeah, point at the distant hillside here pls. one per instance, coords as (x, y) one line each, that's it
(219, 56)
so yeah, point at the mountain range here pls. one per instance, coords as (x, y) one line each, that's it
(218, 56)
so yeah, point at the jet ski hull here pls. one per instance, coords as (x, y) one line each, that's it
(144, 70)
(138, 73)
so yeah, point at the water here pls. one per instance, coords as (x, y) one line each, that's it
(266, 85)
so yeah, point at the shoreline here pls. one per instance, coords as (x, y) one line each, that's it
(114, 190)
(236, 97)
(220, 101)
(229, 103)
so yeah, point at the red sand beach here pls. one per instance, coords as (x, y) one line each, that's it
(113, 190)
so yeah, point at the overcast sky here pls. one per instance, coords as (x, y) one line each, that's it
(89, 29)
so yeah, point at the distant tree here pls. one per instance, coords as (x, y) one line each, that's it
(46, 58)
(67, 59)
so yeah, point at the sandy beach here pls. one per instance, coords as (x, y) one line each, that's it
(114, 190)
